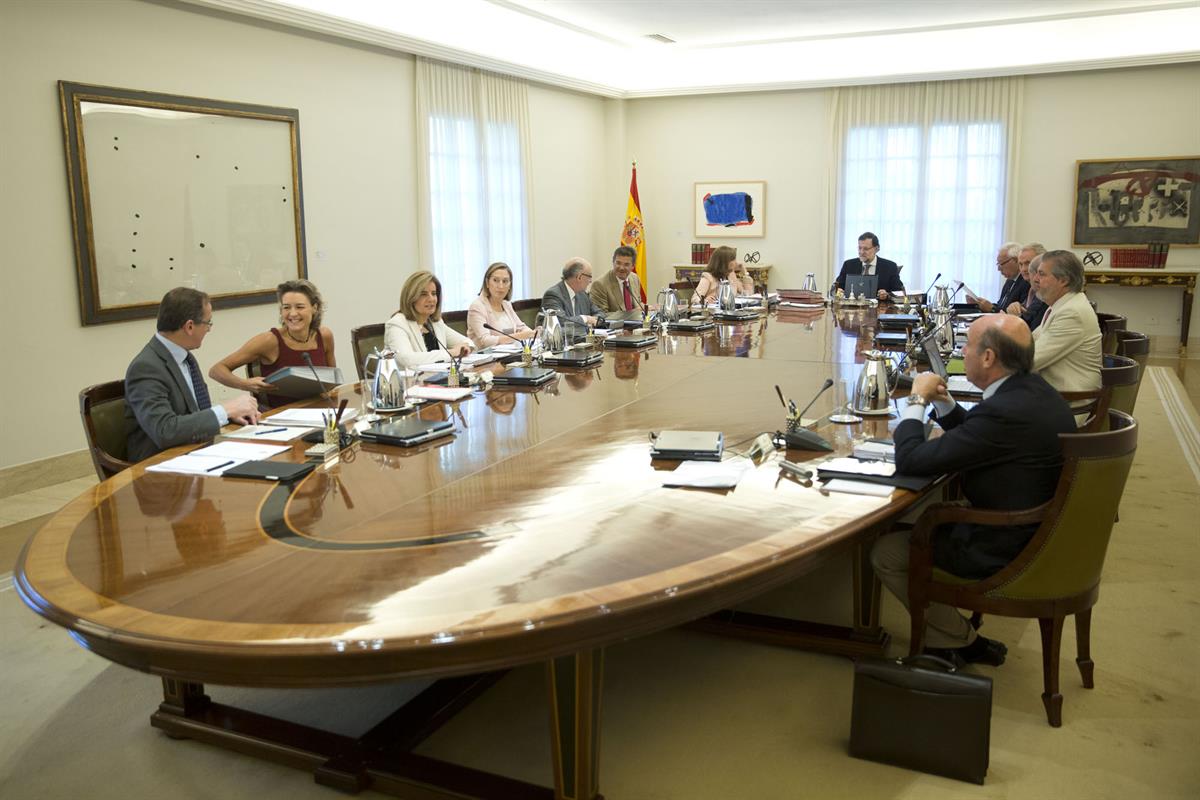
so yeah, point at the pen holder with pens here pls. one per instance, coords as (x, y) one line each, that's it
(526, 354)
(794, 423)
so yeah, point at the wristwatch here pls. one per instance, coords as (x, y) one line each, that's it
(918, 400)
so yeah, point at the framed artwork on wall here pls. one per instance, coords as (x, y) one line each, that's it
(1137, 201)
(730, 208)
(172, 191)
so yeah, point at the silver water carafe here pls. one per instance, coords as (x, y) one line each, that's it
(552, 337)
(943, 326)
(726, 296)
(873, 391)
(941, 297)
(810, 283)
(668, 305)
(389, 382)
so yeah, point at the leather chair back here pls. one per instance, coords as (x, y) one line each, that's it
(527, 310)
(1124, 376)
(363, 341)
(1073, 539)
(102, 410)
(1109, 325)
(456, 320)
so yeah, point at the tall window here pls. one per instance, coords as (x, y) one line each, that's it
(925, 167)
(474, 176)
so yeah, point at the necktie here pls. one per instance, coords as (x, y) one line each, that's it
(1046, 316)
(628, 296)
(867, 268)
(201, 391)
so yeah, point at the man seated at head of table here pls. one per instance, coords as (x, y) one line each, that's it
(166, 399)
(299, 340)
(1029, 308)
(569, 297)
(619, 290)
(416, 332)
(1015, 287)
(1068, 340)
(869, 263)
(723, 265)
(494, 307)
(1007, 452)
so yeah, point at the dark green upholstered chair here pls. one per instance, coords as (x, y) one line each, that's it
(1058, 572)
(1116, 373)
(1132, 344)
(363, 341)
(1109, 325)
(1125, 378)
(102, 409)
(456, 320)
(527, 310)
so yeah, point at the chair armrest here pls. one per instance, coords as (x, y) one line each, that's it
(943, 513)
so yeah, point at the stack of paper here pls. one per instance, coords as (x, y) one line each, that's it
(307, 417)
(215, 459)
(265, 433)
(709, 474)
(871, 450)
(853, 465)
(438, 393)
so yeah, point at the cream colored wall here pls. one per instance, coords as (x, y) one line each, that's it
(778, 137)
(1147, 112)
(358, 151)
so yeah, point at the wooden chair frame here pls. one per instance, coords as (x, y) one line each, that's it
(105, 463)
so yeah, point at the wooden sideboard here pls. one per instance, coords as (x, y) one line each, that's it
(691, 272)
(1154, 277)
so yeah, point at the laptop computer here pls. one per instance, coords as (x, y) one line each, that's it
(691, 325)
(573, 358)
(688, 445)
(865, 285)
(407, 431)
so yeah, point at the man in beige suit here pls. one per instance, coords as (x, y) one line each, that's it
(1067, 343)
(619, 289)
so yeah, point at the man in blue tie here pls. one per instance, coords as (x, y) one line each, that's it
(166, 400)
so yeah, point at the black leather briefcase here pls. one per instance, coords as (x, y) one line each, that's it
(921, 713)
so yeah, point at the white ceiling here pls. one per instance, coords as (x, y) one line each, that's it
(601, 46)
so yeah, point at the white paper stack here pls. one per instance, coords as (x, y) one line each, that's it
(307, 417)
(438, 393)
(215, 459)
(709, 474)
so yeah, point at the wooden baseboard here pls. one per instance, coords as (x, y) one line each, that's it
(45, 472)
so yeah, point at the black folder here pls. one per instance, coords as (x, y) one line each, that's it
(283, 471)
(573, 358)
(407, 431)
(524, 376)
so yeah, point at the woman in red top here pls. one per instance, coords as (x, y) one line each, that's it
(299, 332)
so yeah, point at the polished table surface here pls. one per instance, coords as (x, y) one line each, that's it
(540, 529)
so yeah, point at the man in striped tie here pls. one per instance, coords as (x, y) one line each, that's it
(166, 400)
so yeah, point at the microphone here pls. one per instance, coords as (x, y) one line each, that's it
(502, 333)
(824, 388)
(931, 283)
(308, 360)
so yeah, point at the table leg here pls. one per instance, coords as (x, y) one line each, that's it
(574, 683)
(867, 596)
(182, 697)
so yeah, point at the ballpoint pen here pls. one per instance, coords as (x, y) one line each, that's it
(218, 466)
(270, 430)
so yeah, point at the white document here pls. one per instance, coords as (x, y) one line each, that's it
(709, 474)
(196, 465)
(438, 393)
(857, 487)
(265, 433)
(243, 451)
(433, 366)
(959, 383)
(307, 417)
(845, 464)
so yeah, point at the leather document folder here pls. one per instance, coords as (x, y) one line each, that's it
(407, 431)
(299, 383)
(270, 470)
(688, 445)
(573, 358)
(524, 376)
(631, 340)
(691, 325)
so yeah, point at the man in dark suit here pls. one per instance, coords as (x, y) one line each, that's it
(869, 263)
(569, 297)
(166, 400)
(1015, 287)
(1006, 449)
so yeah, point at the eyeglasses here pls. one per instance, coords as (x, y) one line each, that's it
(1005, 261)
(207, 322)
(587, 275)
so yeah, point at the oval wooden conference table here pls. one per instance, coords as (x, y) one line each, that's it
(539, 532)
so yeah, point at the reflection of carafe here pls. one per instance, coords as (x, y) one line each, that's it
(390, 382)
(551, 337)
(944, 328)
(668, 305)
(726, 298)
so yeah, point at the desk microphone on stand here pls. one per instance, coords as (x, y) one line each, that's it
(931, 285)
(804, 439)
(308, 360)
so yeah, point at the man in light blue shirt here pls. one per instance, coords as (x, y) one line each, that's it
(166, 399)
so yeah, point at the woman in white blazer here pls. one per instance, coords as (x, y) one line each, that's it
(493, 307)
(416, 332)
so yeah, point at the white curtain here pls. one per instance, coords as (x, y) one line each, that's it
(472, 178)
(929, 169)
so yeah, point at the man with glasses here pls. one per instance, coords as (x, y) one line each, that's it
(1015, 287)
(166, 400)
(569, 297)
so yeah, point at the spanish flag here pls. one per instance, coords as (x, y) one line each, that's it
(633, 233)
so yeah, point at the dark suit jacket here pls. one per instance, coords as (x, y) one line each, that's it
(1034, 313)
(1014, 291)
(887, 272)
(1007, 451)
(160, 412)
(559, 298)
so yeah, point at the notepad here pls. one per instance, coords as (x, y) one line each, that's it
(439, 393)
(307, 417)
(708, 475)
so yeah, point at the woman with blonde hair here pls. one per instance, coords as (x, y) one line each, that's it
(300, 333)
(416, 332)
(722, 265)
(493, 307)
